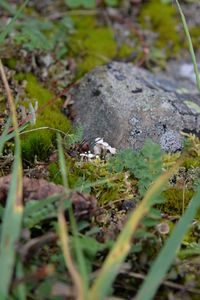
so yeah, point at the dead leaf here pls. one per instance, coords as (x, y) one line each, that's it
(36, 189)
(84, 205)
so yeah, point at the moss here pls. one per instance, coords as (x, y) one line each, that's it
(174, 201)
(125, 50)
(93, 44)
(10, 63)
(3, 105)
(81, 174)
(162, 19)
(39, 143)
(190, 162)
(54, 173)
(19, 77)
(195, 36)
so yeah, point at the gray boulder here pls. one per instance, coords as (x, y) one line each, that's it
(125, 105)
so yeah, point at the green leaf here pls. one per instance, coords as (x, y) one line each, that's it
(148, 222)
(89, 3)
(10, 25)
(11, 226)
(111, 2)
(73, 3)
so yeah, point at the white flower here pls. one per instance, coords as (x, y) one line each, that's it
(88, 155)
(103, 147)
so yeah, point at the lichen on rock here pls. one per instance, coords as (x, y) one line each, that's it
(126, 105)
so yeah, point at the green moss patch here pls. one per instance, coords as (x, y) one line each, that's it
(175, 198)
(39, 143)
(125, 50)
(93, 44)
(162, 19)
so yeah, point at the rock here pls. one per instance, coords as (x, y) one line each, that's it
(125, 105)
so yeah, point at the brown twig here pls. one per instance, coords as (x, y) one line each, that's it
(31, 247)
(40, 273)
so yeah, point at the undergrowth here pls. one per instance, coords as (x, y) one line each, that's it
(132, 190)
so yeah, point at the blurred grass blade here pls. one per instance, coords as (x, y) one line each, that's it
(20, 129)
(62, 163)
(64, 238)
(10, 25)
(21, 291)
(11, 226)
(12, 218)
(161, 264)
(123, 244)
(78, 249)
(7, 6)
(3, 137)
(190, 45)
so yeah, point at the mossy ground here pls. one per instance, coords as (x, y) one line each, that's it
(166, 22)
(163, 20)
(83, 175)
(38, 144)
(176, 201)
(93, 44)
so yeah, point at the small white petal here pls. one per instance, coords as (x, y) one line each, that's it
(97, 149)
(99, 140)
(105, 144)
(112, 150)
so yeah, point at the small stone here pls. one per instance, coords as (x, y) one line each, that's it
(163, 228)
(128, 205)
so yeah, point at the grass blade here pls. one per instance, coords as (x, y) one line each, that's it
(10, 26)
(11, 226)
(7, 6)
(78, 249)
(13, 212)
(21, 291)
(190, 45)
(62, 163)
(64, 238)
(123, 244)
(161, 265)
